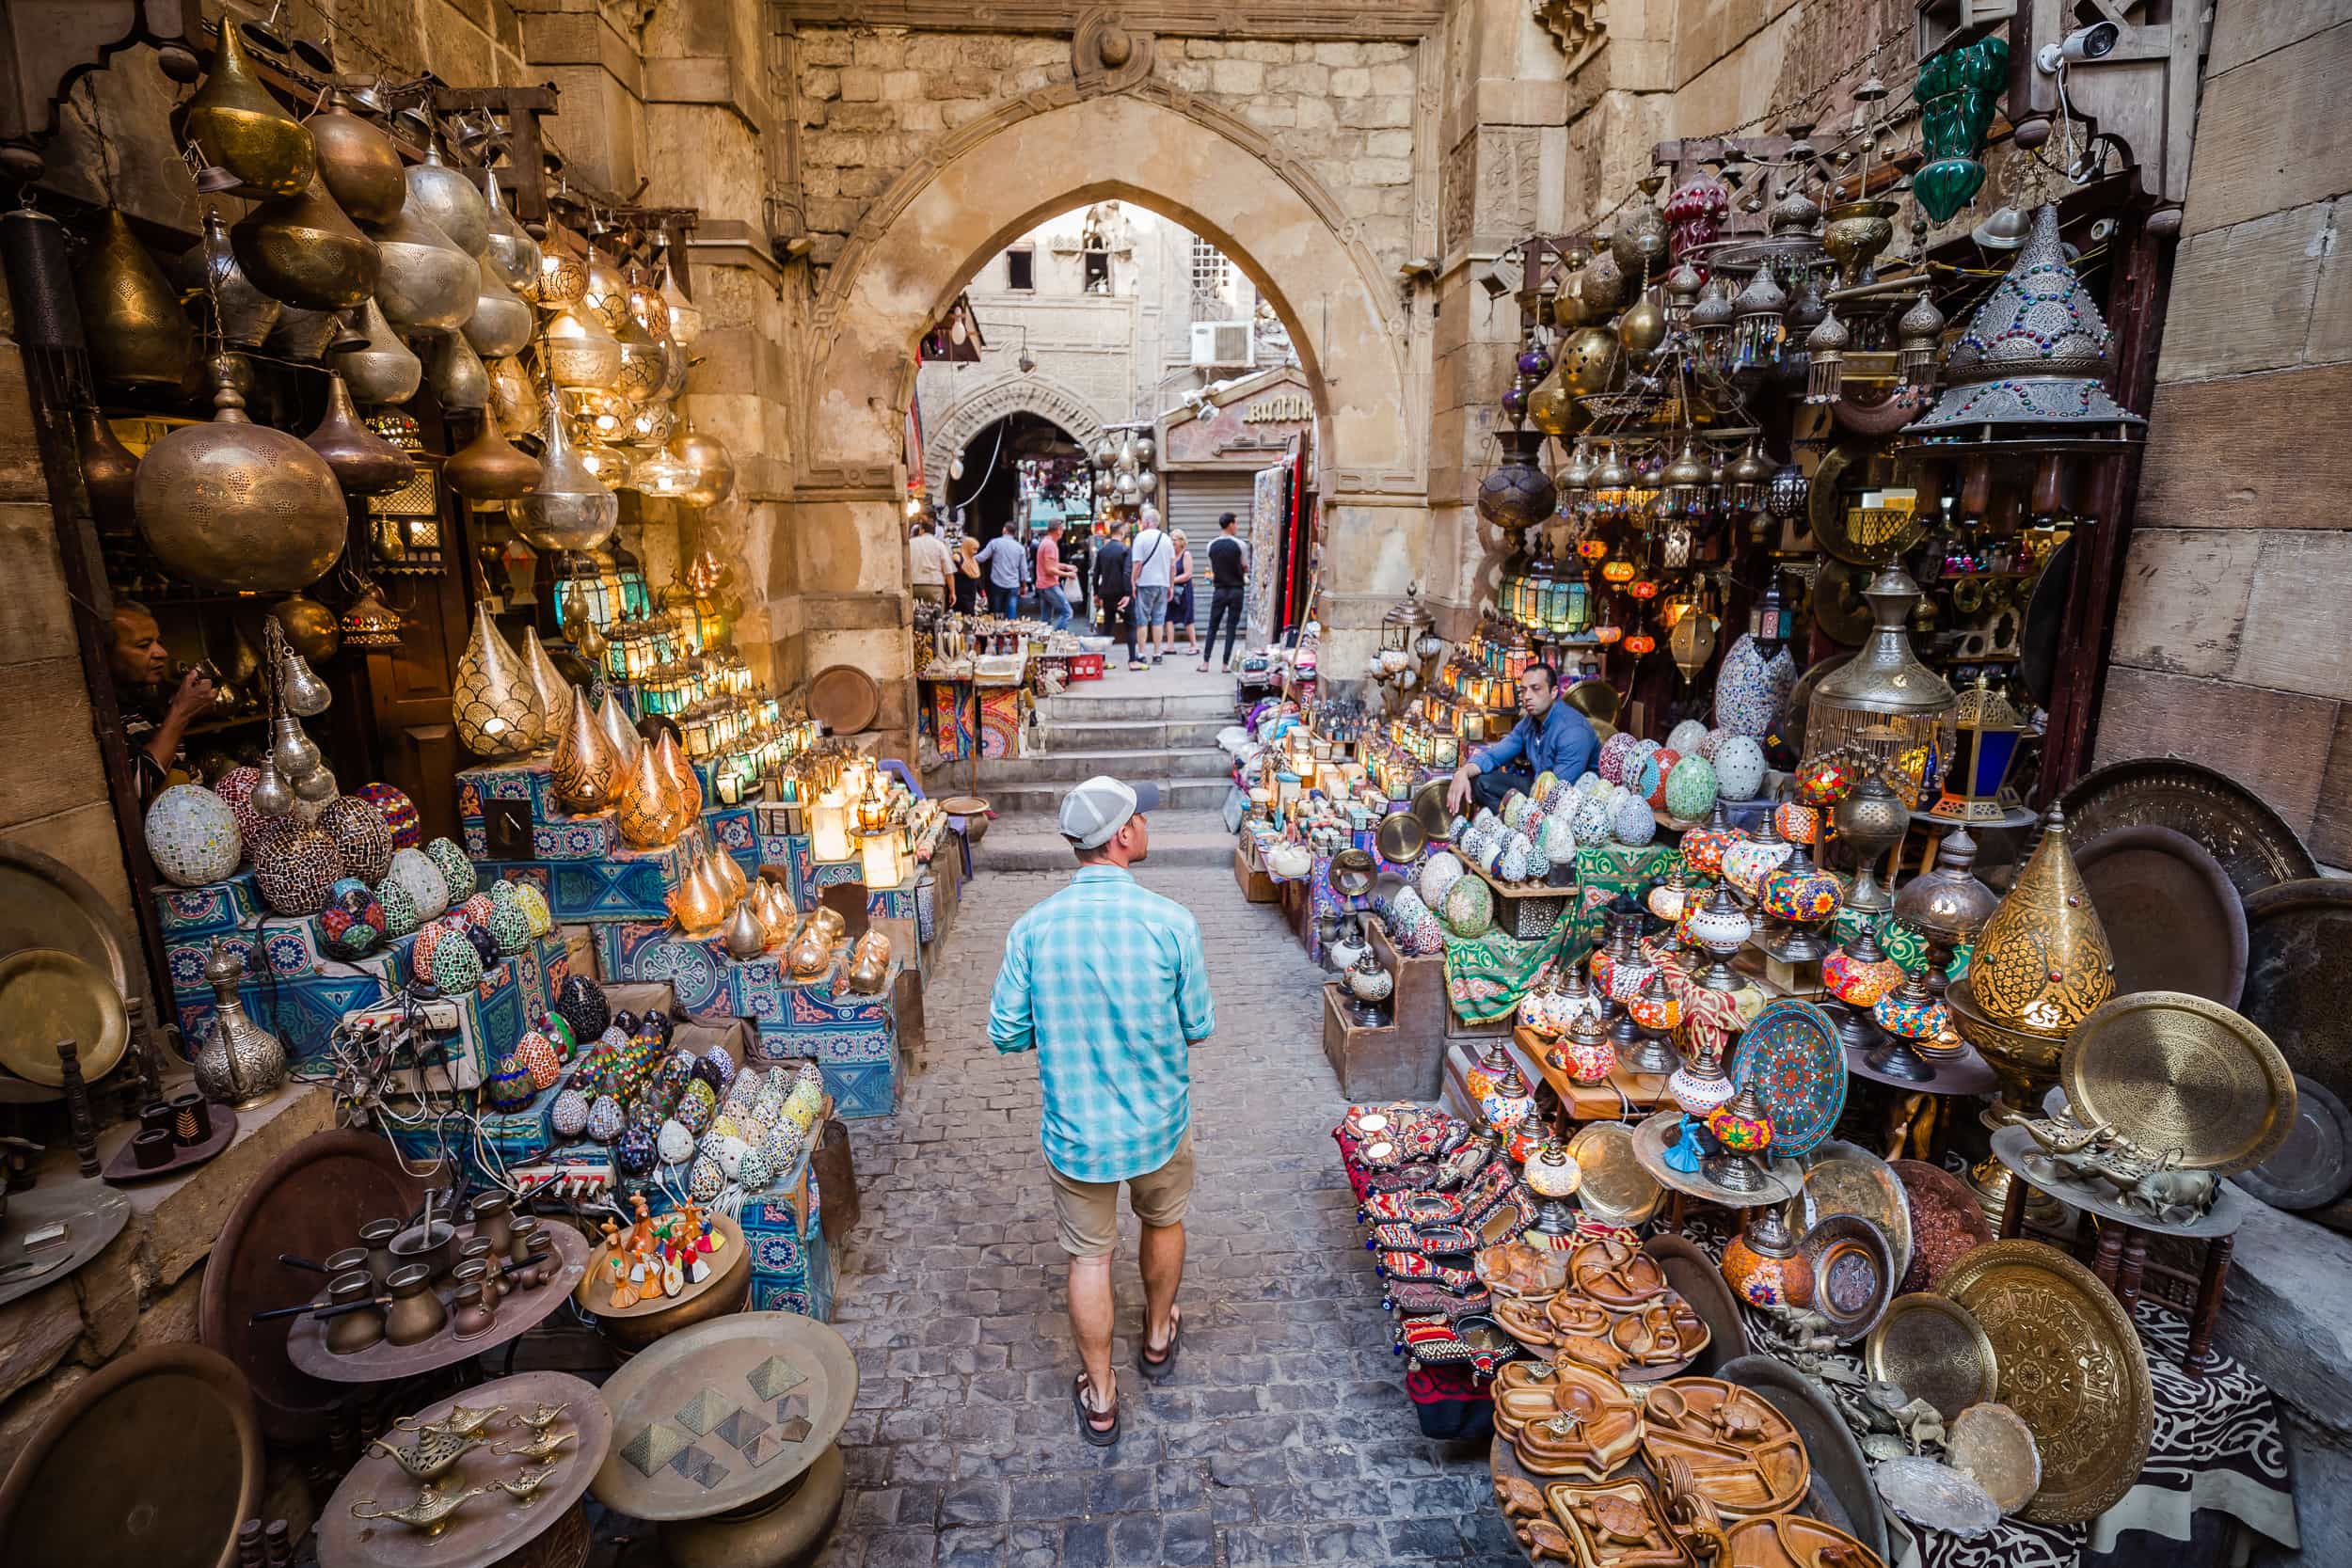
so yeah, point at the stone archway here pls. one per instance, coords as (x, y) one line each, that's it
(1032, 393)
(1049, 150)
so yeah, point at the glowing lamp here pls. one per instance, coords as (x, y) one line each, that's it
(830, 827)
(880, 853)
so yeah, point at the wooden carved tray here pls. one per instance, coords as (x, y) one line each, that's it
(1566, 1420)
(1746, 1456)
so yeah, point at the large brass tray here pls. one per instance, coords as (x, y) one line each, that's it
(2071, 1365)
(1933, 1348)
(2171, 1071)
(2236, 827)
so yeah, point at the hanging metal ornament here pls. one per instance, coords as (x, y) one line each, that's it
(235, 123)
(448, 199)
(242, 315)
(1692, 643)
(488, 468)
(361, 168)
(1639, 241)
(685, 317)
(382, 370)
(236, 506)
(642, 365)
(569, 509)
(272, 796)
(579, 351)
(1825, 356)
(1758, 324)
(1643, 327)
(428, 283)
(714, 466)
(1918, 338)
(459, 382)
(494, 702)
(503, 321)
(509, 250)
(305, 695)
(305, 250)
(365, 463)
(607, 293)
(138, 333)
(514, 402)
(562, 275)
(553, 693)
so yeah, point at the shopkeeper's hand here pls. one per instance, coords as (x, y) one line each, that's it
(1458, 794)
(193, 699)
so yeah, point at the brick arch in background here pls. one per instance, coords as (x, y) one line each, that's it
(965, 418)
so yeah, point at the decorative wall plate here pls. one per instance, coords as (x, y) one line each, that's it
(2173, 918)
(1847, 1178)
(45, 903)
(1838, 607)
(1947, 1222)
(2298, 972)
(1933, 1348)
(1792, 1053)
(844, 699)
(2170, 1070)
(2071, 1365)
(2314, 1166)
(2236, 826)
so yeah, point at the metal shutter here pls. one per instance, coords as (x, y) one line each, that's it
(1194, 501)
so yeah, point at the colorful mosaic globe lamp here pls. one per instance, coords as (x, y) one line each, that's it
(1743, 1132)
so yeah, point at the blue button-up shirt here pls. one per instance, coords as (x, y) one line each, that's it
(1108, 985)
(1561, 742)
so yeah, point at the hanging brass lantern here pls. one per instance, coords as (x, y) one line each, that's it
(1643, 327)
(382, 370)
(569, 509)
(563, 275)
(362, 170)
(554, 691)
(311, 631)
(365, 463)
(209, 273)
(685, 317)
(236, 124)
(303, 335)
(1887, 701)
(642, 367)
(650, 813)
(514, 402)
(1588, 361)
(579, 351)
(369, 623)
(138, 335)
(449, 200)
(495, 704)
(428, 283)
(237, 506)
(502, 323)
(713, 466)
(459, 383)
(108, 469)
(508, 250)
(1638, 243)
(607, 293)
(588, 771)
(488, 468)
(305, 250)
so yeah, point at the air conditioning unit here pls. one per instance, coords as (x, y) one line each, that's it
(1221, 345)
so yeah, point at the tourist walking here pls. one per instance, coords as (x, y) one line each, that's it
(1051, 575)
(1152, 570)
(1002, 558)
(965, 582)
(1108, 985)
(928, 562)
(1180, 613)
(1229, 579)
(1112, 592)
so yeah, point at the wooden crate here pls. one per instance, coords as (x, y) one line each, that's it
(1256, 886)
(1377, 1062)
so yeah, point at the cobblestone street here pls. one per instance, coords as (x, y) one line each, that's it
(1284, 1436)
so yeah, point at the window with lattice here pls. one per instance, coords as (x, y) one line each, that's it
(1212, 274)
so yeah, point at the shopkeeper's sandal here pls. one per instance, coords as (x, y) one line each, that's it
(1157, 1368)
(1101, 1436)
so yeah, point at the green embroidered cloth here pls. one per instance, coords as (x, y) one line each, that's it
(1486, 976)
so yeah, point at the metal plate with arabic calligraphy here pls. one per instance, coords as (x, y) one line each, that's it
(2071, 1365)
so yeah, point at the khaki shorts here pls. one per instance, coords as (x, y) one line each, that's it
(1088, 1212)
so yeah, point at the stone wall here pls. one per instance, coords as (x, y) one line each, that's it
(2230, 641)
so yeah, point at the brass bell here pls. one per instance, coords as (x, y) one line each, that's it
(138, 335)
(234, 122)
(303, 249)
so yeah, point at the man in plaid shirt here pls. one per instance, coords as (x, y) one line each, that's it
(1107, 984)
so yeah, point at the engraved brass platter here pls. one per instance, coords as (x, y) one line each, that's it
(1934, 1350)
(1847, 1178)
(1615, 1187)
(2171, 1071)
(2236, 827)
(50, 995)
(2071, 1365)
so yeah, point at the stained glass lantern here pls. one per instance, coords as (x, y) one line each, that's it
(1987, 730)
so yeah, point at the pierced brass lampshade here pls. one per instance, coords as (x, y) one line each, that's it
(361, 167)
(1883, 703)
(138, 335)
(237, 506)
(236, 124)
(553, 693)
(580, 352)
(2041, 963)
(428, 283)
(495, 704)
(648, 809)
(449, 200)
(588, 771)
(569, 509)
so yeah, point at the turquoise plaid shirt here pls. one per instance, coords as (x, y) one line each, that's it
(1107, 984)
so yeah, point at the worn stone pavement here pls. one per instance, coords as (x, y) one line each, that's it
(1284, 1437)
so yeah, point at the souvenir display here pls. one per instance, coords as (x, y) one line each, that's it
(193, 836)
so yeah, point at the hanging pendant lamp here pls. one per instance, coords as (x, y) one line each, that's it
(238, 126)
(495, 704)
(382, 370)
(449, 202)
(508, 249)
(428, 283)
(138, 335)
(365, 463)
(305, 249)
(569, 509)
(236, 506)
(488, 468)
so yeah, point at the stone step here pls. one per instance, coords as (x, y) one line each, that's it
(1093, 700)
(1131, 734)
(1069, 767)
(1027, 841)
(1042, 800)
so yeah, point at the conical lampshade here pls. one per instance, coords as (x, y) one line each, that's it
(236, 124)
(460, 384)
(488, 468)
(649, 807)
(689, 789)
(2041, 963)
(306, 250)
(569, 509)
(588, 771)
(495, 704)
(138, 335)
(554, 691)
(365, 463)
(613, 717)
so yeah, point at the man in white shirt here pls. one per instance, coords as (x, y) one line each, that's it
(928, 562)
(1152, 568)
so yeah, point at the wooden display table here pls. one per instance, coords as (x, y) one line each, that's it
(1607, 1100)
(1419, 1002)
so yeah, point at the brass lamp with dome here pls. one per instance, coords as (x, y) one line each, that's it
(1884, 703)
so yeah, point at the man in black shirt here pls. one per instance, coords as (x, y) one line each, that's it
(1228, 575)
(1111, 590)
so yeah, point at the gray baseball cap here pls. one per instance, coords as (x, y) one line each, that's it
(1095, 809)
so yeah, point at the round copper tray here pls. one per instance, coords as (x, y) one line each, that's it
(634, 1328)
(2235, 826)
(2299, 972)
(1402, 838)
(844, 699)
(2071, 1365)
(1428, 808)
(93, 1215)
(45, 903)
(1942, 1207)
(2173, 919)
(2314, 1166)
(1853, 1273)
(154, 1460)
(1933, 1348)
(1617, 1188)
(310, 1201)
(2170, 1070)
(489, 1528)
(519, 1310)
(1846, 1179)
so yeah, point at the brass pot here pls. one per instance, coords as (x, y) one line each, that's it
(449, 200)
(107, 466)
(138, 335)
(349, 1332)
(210, 272)
(587, 769)
(569, 509)
(303, 249)
(382, 371)
(492, 1214)
(235, 123)
(713, 466)
(502, 323)
(362, 170)
(237, 506)
(365, 463)
(510, 251)
(416, 1313)
(428, 283)
(459, 382)
(488, 468)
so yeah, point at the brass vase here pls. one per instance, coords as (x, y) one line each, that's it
(210, 272)
(236, 506)
(108, 469)
(305, 250)
(554, 692)
(509, 250)
(365, 463)
(588, 771)
(495, 704)
(502, 323)
(689, 789)
(569, 509)
(449, 200)
(382, 370)
(362, 170)
(648, 808)
(429, 283)
(236, 124)
(460, 384)
(138, 335)
(488, 468)
(579, 351)
(713, 466)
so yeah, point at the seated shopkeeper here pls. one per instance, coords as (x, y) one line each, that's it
(155, 720)
(1550, 738)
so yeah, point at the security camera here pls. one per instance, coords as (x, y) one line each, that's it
(2093, 42)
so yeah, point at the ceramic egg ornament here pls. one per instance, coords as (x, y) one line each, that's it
(1591, 823)
(400, 910)
(1685, 739)
(580, 1002)
(508, 1087)
(569, 1116)
(193, 836)
(235, 789)
(1633, 825)
(361, 837)
(351, 922)
(1438, 874)
(427, 889)
(539, 1055)
(456, 966)
(1740, 767)
(1469, 907)
(458, 872)
(295, 870)
(1614, 753)
(605, 1120)
(534, 906)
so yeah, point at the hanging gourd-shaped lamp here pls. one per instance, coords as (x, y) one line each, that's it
(428, 283)
(508, 250)
(460, 384)
(1643, 327)
(569, 509)
(237, 125)
(579, 351)
(588, 771)
(488, 468)
(607, 293)
(236, 506)
(713, 466)
(562, 275)
(108, 469)
(503, 321)
(242, 315)
(685, 317)
(382, 370)
(362, 170)
(365, 463)
(648, 808)
(642, 367)
(514, 402)
(554, 691)
(305, 249)
(449, 200)
(495, 704)
(138, 335)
